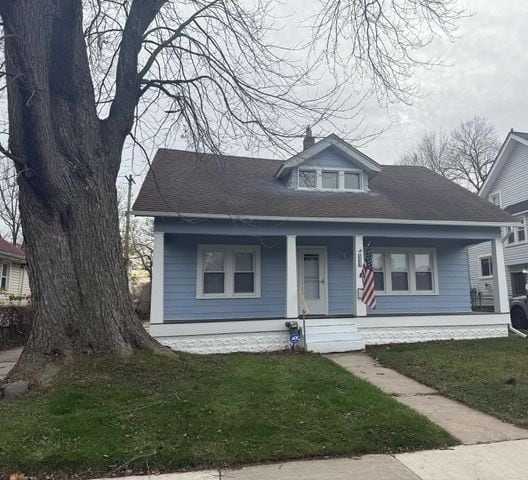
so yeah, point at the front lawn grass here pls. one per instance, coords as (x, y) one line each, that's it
(187, 411)
(490, 375)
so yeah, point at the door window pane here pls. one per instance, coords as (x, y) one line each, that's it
(351, 181)
(424, 271)
(399, 272)
(213, 281)
(244, 273)
(377, 267)
(311, 276)
(330, 180)
(308, 178)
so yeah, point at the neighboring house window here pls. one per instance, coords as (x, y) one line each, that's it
(228, 271)
(330, 179)
(495, 198)
(4, 276)
(517, 234)
(486, 267)
(405, 271)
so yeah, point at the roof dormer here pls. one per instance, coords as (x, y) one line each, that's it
(331, 164)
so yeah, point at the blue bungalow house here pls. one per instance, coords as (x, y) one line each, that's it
(243, 246)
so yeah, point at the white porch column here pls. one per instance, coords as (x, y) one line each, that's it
(292, 301)
(500, 287)
(360, 309)
(156, 292)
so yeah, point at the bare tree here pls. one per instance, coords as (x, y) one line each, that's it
(9, 211)
(474, 146)
(433, 152)
(464, 156)
(83, 76)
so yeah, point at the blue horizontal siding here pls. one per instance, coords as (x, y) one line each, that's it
(180, 302)
(453, 281)
(341, 279)
(471, 235)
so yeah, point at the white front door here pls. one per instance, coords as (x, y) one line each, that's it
(312, 280)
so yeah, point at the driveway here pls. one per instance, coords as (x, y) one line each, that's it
(8, 359)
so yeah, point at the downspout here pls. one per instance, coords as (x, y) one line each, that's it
(516, 332)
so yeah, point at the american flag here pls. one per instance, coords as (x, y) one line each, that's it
(369, 294)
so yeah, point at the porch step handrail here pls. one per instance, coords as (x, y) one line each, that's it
(305, 311)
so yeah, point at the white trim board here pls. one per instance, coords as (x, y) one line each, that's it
(390, 221)
(390, 321)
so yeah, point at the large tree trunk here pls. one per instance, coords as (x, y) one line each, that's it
(68, 160)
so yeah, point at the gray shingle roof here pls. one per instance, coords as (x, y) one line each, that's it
(517, 207)
(181, 182)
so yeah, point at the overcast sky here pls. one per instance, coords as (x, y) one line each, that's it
(487, 76)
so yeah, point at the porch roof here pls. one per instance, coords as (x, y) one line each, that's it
(181, 183)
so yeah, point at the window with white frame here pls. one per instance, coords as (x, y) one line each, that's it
(330, 179)
(4, 276)
(226, 271)
(408, 271)
(517, 235)
(486, 267)
(495, 198)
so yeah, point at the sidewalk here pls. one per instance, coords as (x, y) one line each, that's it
(466, 424)
(8, 359)
(505, 460)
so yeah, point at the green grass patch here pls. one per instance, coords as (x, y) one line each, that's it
(490, 375)
(188, 411)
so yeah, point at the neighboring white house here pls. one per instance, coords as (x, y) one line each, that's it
(506, 187)
(14, 282)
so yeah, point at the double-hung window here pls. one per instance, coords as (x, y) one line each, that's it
(226, 271)
(405, 271)
(486, 267)
(330, 179)
(4, 276)
(517, 234)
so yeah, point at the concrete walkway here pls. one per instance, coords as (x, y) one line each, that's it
(493, 461)
(8, 359)
(467, 425)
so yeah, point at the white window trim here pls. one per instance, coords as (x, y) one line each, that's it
(492, 194)
(8, 275)
(386, 251)
(229, 271)
(480, 257)
(516, 232)
(341, 179)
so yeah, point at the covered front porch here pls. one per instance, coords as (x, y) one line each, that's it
(296, 270)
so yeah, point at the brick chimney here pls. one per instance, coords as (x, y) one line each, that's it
(309, 140)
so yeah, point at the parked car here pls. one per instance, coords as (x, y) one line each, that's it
(519, 312)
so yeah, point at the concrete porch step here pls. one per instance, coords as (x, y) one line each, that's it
(332, 337)
(343, 329)
(320, 322)
(335, 346)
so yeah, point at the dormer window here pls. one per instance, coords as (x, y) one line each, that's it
(307, 179)
(352, 181)
(330, 179)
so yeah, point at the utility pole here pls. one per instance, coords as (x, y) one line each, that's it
(130, 181)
